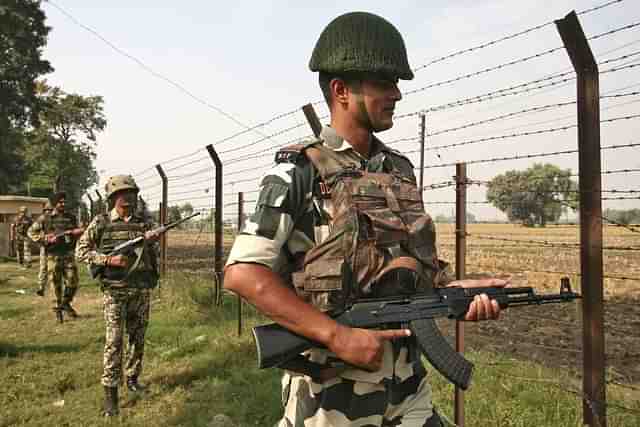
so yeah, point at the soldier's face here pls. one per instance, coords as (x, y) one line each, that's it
(60, 205)
(125, 201)
(380, 97)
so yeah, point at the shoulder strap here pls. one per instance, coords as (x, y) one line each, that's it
(291, 153)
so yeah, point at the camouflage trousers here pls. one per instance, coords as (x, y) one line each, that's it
(42, 272)
(62, 268)
(125, 309)
(341, 402)
(23, 251)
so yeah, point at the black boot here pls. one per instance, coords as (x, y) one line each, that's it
(110, 401)
(66, 301)
(66, 306)
(59, 314)
(134, 386)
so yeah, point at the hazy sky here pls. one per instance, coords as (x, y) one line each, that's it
(249, 59)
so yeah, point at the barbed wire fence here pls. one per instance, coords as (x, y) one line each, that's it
(538, 257)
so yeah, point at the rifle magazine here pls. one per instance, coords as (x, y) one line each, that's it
(451, 364)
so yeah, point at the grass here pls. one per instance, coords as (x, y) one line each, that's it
(201, 373)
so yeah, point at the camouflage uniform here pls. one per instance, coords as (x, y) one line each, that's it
(42, 271)
(126, 301)
(22, 242)
(289, 220)
(61, 266)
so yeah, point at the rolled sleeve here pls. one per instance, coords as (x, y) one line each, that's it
(268, 229)
(86, 246)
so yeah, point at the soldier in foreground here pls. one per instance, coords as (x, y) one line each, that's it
(21, 240)
(125, 281)
(58, 232)
(42, 271)
(341, 218)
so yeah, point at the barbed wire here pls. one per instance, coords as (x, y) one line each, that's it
(550, 244)
(525, 156)
(571, 273)
(150, 70)
(518, 89)
(189, 163)
(508, 37)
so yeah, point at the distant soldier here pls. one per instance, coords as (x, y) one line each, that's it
(20, 238)
(126, 283)
(59, 232)
(31, 232)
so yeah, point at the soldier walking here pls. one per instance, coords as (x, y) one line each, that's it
(22, 242)
(340, 218)
(58, 232)
(126, 282)
(42, 271)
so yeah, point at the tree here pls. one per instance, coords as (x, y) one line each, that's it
(186, 209)
(536, 195)
(626, 217)
(23, 34)
(173, 214)
(63, 144)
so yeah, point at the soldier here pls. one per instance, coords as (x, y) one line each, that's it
(31, 232)
(125, 281)
(58, 232)
(21, 240)
(341, 218)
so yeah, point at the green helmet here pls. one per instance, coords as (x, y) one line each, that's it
(361, 42)
(119, 183)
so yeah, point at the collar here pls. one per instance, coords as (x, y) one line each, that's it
(337, 143)
(114, 216)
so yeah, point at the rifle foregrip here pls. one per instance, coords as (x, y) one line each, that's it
(276, 345)
(437, 350)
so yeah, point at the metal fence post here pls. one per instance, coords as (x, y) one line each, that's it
(163, 220)
(101, 208)
(91, 211)
(591, 266)
(422, 137)
(312, 119)
(461, 252)
(240, 224)
(219, 230)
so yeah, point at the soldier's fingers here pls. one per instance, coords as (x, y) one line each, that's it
(484, 305)
(495, 310)
(390, 334)
(472, 313)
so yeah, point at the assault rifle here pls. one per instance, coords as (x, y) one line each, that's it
(128, 248)
(279, 347)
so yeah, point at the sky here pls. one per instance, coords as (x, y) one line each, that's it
(176, 76)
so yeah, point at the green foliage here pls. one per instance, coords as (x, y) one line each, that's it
(23, 34)
(63, 145)
(626, 217)
(535, 196)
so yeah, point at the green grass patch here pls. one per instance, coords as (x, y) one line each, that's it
(201, 373)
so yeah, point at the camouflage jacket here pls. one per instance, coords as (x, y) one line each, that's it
(290, 218)
(21, 225)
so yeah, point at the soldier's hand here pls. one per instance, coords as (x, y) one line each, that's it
(151, 235)
(76, 232)
(363, 347)
(482, 308)
(51, 238)
(118, 261)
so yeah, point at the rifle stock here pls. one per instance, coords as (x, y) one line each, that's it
(276, 345)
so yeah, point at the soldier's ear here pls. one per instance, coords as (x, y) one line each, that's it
(339, 91)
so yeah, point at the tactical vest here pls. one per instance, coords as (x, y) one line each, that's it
(57, 224)
(22, 225)
(380, 242)
(142, 270)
